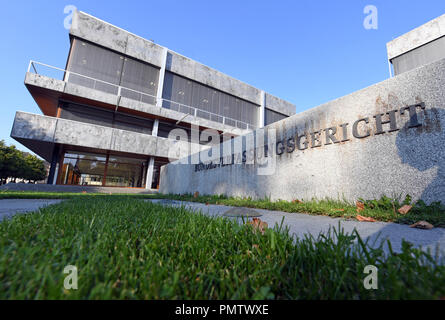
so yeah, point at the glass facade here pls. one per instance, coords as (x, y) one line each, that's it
(139, 81)
(212, 104)
(273, 116)
(88, 169)
(105, 118)
(118, 70)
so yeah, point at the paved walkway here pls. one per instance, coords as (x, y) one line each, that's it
(10, 207)
(301, 224)
(68, 188)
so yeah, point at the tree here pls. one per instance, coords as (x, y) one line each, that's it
(17, 164)
(34, 169)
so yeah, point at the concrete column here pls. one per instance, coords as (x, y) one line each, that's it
(161, 78)
(262, 115)
(150, 169)
(151, 162)
(55, 174)
(54, 161)
(154, 131)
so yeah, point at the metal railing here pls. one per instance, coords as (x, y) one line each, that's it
(92, 83)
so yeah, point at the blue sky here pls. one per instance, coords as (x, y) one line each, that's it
(308, 52)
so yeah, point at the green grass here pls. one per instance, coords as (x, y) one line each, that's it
(384, 209)
(125, 248)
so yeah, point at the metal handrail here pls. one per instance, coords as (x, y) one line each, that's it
(161, 100)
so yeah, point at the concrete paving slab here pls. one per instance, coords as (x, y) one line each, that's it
(11, 207)
(303, 224)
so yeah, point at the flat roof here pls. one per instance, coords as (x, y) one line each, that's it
(417, 37)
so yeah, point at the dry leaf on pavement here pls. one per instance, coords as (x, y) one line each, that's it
(422, 225)
(366, 219)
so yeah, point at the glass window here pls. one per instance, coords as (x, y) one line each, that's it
(104, 117)
(130, 123)
(87, 114)
(88, 169)
(273, 116)
(140, 77)
(126, 172)
(83, 169)
(211, 103)
(97, 63)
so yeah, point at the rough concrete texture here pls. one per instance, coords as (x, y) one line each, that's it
(35, 128)
(11, 207)
(404, 161)
(97, 31)
(279, 105)
(301, 225)
(92, 94)
(71, 189)
(415, 38)
(44, 82)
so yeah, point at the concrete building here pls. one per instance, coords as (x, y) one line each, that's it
(384, 140)
(108, 114)
(421, 46)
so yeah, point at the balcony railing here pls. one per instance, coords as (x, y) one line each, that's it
(92, 83)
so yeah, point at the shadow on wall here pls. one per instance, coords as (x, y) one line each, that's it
(421, 144)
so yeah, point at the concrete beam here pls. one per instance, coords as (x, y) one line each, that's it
(417, 37)
(44, 129)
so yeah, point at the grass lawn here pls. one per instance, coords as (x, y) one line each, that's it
(384, 209)
(127, 248)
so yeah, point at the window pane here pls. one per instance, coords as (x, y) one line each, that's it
(140, 77)
(95, 62)
(126, 172)
(87, 114)
(273, 116)
(83, 169)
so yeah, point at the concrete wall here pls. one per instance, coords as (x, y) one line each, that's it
(397, 160)
(36, 128)
(95, 30)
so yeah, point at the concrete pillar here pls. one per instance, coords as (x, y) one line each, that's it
(55, 174)
(54, 161)
(151, 162)
(150, 169)
(262, 115)
(154, 131)
(161, 78)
